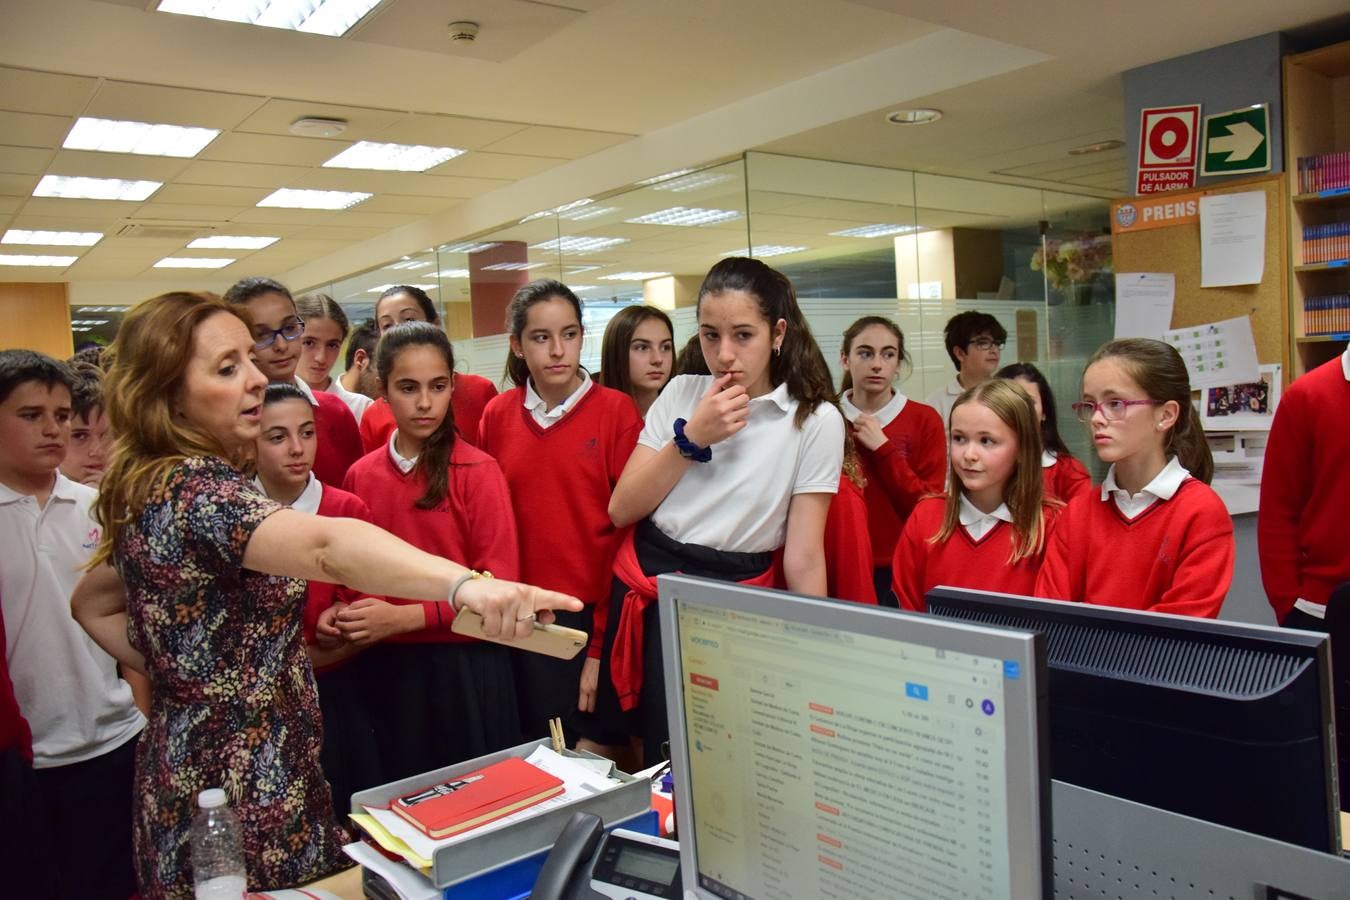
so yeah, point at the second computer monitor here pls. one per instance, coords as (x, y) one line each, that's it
(828, 749)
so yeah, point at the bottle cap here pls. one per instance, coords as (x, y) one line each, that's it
(211, 798)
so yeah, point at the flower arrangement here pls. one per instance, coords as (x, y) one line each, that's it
(1073, 261)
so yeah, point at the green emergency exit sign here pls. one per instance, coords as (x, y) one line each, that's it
(1236, 142)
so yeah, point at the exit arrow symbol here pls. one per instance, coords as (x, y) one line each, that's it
(1241, 141)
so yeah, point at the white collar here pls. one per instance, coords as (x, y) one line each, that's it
(405, 464)
(306, 390)
(62, 489)
(970, 513)
(1345, 363)
(954, 389)
(1163, 486)
(884, 416)
(1048, 459)
(536, 404)
(309, 499)
(778, 396)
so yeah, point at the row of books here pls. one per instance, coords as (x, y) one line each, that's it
(1328, 172)
(1323, 243)
(1326, 314)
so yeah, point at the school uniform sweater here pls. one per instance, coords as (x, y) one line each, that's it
(472, 526)
(848, 551)
(561, 479)
(961, 561)
(319, 595)
(339, 443)
(471, 394)
(1305, 490)
(911, 464)
(1175, 557)
(1065, 478)
(15, 735)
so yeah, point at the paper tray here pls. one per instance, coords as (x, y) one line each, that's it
(492, 849)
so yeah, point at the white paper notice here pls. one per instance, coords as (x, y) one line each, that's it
(1144, 303)
(409, 885)
(1232, 238)
(1217, 354)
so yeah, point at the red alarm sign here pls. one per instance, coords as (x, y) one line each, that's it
(1169, 143)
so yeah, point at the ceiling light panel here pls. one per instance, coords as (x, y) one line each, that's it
(684, 183)
(633, 276)
(12, 259)
(454, 273)
(579, 245)
(331, 17)
(759, 251)
(666, 177)
(52, 238)
(409, 264)
(232, 242)
(293, 198)
(513, 266)
(191, 262)
(143, 138)
(686, 216)
(392, 157)
(544, 213)
(381, 288)
(80, 188)
(468, 247)
(875, 231)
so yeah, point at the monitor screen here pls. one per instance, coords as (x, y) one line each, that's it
(824, 749)
(1220, 721)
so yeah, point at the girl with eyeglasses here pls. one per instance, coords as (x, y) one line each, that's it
(1065, 477)
(277, 328)
(1155, 536)
(989, 532)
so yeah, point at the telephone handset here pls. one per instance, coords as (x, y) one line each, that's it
(588, 864)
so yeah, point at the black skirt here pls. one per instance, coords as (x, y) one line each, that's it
(548, 687)
(349, 756)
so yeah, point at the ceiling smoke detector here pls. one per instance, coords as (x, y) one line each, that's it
(317, 126)
(463, 31)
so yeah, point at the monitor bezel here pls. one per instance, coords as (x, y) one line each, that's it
(1031, 873)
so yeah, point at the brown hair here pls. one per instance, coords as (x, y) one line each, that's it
(1024, 492)
(146, 365)
(851, 334)
(614, 369)
(322, 306)
(1159, 370)
(518, 310)
(434, 460)
(799, 364)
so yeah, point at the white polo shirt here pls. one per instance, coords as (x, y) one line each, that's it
(943, 399)
(538, 406)
(67, 687)
(309, 499)
(357, 403)
(1163, 486)
(976, 523)
(884, 416)
(405, 463)
(738, 501)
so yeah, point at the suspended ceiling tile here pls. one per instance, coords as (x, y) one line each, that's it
(228, 174)
(23, 90)
(339, 233)
(171, 105)
(24, 160)
(265, 215)
(92, 164)
(448, 131)
(188, 213)
(106, 267)
(571, 143)
(449, 186)
(17, 185)
(10, 205)
(399, 203)
(33, 130)
(141, 250)
(359, 180)
(509, 27)
(210, 195)
(374, 219)
(363, 123)
(496, 165)
(273, 149)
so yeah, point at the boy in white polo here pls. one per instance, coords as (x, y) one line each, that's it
(81, 713)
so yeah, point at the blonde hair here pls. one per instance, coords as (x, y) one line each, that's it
(146, 365)
(1024, 491)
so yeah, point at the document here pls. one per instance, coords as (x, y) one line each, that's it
(1232, 238)
(409, 885)
(1144, 303)
(1218, 353)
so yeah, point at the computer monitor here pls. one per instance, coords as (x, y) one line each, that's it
(835, 750)
(1220, 721)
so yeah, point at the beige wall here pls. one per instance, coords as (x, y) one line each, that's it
(36, 316)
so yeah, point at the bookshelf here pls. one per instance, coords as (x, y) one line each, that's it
(1317, 126)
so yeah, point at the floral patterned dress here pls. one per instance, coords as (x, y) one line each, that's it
(234, 704)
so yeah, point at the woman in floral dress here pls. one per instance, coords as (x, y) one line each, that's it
(198, 582)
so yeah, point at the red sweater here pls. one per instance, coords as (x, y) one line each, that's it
(961, 561)
(1305, 491)
(319, 595)
(1175, 557)
(14, 731)
(911, 464)
(1066, 479)
(848, 554)
(561, 478)
(472, 526)
(470, 395)
(339, 442)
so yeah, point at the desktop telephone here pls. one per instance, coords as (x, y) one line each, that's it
(586, 863)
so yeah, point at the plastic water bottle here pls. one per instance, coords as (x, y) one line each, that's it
(218, 871)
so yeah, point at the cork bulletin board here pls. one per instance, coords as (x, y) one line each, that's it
(1172, 244)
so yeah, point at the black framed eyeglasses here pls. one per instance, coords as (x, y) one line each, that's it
(986, 344)
(1112, 410)
(288, 332)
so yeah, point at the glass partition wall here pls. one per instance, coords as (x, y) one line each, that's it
(855, 240)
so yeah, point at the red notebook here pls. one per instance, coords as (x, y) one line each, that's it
(476, 798)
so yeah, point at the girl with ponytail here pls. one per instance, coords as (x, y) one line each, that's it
(1155, 536)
